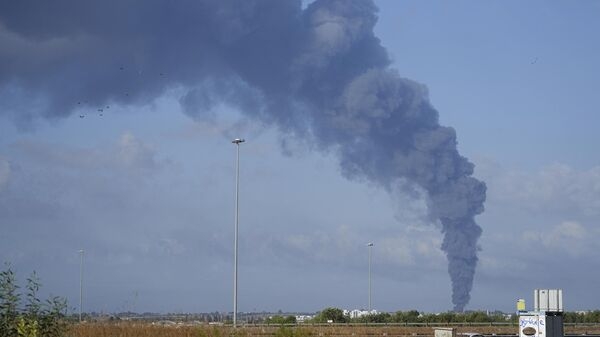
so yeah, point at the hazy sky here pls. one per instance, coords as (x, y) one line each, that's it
(146, 186)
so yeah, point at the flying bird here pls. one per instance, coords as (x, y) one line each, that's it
(534, 61)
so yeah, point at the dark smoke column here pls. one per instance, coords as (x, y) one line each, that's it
(318, 74)
(384, 128)
(321, 74)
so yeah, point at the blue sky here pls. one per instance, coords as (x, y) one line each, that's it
(148, 190)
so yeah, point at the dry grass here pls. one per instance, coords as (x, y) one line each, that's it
(149, 330)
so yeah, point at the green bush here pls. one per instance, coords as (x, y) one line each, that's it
(334, 315)
(278, 319)
(33, 319)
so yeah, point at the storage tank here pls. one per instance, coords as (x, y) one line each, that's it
(520, 305)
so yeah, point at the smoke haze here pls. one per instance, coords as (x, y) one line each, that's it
(318, 74)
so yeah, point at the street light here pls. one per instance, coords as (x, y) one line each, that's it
(80, 283)
(370, 245)
(237, 142)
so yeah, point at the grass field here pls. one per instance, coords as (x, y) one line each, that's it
(149, 330)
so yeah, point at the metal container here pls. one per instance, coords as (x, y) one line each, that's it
(548, 300)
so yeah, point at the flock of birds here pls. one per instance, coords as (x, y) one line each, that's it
(100, 111)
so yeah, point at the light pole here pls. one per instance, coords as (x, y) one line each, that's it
(370, 245)
(237, 142)
(80, 283)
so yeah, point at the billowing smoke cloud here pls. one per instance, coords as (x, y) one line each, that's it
(317, 73)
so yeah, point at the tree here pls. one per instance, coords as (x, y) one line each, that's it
(411, 316)
(334, 315)
(382, 317)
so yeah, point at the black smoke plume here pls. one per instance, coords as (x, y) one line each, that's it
(317, 73)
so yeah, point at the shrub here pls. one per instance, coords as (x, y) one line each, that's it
(34, 319)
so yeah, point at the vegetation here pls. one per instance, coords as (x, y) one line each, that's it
(131, 329)
(335, 315)
(331, 315)
(292, 332)
(582, 317)
(33, 318)
(278, 319)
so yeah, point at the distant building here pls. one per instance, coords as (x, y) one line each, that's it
(359, 313)
(303, 318)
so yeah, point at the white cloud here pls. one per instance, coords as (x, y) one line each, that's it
(569, 237)
(396, 250)
(170, 247)
(129, 152)
(135, 153)
(555, 188)
(342, 245)
(531, 215)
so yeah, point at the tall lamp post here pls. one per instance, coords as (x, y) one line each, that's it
(237, 142)
(370, 245)
(80, 283)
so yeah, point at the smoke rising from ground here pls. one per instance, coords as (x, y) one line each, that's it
(318, 74)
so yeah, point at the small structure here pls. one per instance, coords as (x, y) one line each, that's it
(546, 320)
(444, 332)
(520, 305)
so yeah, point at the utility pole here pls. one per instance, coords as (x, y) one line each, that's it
(370, 245)
(80, 284)
(237, 142)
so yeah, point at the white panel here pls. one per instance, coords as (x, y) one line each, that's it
(548, 300)
(555, 300)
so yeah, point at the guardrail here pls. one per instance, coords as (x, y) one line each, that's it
(420, 324)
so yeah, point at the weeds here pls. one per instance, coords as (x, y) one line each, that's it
(292, 332)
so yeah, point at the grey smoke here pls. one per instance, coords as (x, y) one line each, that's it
(317, 73)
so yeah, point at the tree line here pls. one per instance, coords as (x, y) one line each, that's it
(412, 316)
(336, 315)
